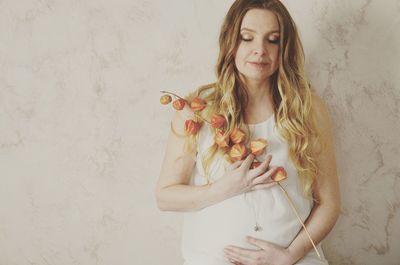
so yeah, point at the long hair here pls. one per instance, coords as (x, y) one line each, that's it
(291, 92)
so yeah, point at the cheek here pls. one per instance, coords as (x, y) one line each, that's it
(239, 54)
(239, 57)
(275, 53)
(275, 57)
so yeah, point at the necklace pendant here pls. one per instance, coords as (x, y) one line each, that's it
(257, 228)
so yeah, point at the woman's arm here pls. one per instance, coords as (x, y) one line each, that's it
(173, 192)
(325, 214)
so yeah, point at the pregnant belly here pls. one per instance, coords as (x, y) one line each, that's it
(208, 231)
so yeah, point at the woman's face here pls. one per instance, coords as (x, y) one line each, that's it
(258, 51)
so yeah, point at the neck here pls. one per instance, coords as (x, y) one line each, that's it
(259, 105)
(258, 91)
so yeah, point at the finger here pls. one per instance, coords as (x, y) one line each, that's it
(231, 257)
(245, 252)
(265, 185)
(264, 177)
(235, 165)
(233, 254)
(262, 167)
(234, 262)
(262, 244)
(247, 162)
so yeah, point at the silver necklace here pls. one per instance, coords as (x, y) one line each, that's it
(252, 206)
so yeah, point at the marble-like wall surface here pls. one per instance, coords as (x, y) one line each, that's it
(353, 55)
(82, 133)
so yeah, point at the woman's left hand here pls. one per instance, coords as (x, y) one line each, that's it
(268, 254)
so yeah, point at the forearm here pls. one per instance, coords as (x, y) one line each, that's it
(183, 198)
(319, 223)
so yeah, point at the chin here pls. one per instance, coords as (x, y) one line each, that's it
(256, 76)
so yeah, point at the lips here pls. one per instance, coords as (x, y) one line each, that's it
(258, 65)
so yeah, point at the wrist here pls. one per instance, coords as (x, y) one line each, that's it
(219, 190)
(215, 192)
(293, 257)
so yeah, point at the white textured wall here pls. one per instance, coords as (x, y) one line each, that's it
(82, 134)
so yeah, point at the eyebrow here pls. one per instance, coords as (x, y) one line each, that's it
(252, 30)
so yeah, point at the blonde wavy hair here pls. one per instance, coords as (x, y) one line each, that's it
(291, 93)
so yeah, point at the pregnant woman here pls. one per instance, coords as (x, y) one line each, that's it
(234, 211)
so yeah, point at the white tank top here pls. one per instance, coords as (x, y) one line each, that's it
(207, 231)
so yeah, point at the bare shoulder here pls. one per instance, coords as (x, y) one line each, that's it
(322, 114)
(323, 124)
(180, 116)
(177, 165)
(320, 108)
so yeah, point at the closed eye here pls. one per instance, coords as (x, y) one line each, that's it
(275, 41)
(246, 39)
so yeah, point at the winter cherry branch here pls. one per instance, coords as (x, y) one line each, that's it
(233, 144)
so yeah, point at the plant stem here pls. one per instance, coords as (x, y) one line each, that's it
(163, 91)
(295, 211)
(198, 116)
(201, 118)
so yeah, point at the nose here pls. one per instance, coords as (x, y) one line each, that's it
(259, 48)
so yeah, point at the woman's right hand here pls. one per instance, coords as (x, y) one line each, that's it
(239, 178)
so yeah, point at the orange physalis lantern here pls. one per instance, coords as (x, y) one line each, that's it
(237, 136)
(179, 104)
(279, 175)
(197, 104)
(255, 164)
(217, 121)
(238, 152)
(220, 139)
(192, 127)
(258, 146)
(165, 99)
